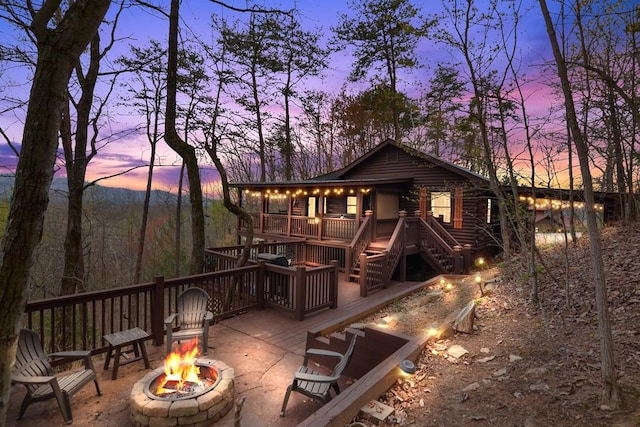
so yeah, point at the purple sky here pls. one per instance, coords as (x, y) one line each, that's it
(138, 27)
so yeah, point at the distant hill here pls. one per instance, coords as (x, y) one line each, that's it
(110, 195)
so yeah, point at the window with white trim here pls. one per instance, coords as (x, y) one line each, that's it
(351, 204)
(441, 205)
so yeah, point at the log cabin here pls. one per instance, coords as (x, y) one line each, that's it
(392, 212)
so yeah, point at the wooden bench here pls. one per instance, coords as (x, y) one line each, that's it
(134, 337)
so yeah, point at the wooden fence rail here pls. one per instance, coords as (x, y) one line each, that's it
(79, 322)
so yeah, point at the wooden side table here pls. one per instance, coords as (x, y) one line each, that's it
(134, 337)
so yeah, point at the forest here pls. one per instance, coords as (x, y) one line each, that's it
(244, 96)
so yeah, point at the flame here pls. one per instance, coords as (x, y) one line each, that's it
(180, 368)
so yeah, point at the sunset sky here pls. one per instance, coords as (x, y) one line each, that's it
(138, 26)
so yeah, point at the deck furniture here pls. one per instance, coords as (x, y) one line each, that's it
(314, 384)
(193, 318)
(33, 370)
(131, 337)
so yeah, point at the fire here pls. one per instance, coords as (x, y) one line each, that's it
(180, 369)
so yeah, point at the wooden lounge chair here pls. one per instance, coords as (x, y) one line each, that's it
(193, 318)
(33, 370)
(314, 384)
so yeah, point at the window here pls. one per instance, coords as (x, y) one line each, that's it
(351, 204)
(441, 205)
(488, 211)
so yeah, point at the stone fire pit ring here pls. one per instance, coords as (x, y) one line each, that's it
(200, 411)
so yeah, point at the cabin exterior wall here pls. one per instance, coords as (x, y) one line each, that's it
(393, 161)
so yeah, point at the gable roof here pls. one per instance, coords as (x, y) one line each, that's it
(469, 174)
(336, 178)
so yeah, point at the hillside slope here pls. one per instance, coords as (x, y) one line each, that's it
(532, 364)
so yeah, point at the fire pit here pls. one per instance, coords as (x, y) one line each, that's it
(184, 392)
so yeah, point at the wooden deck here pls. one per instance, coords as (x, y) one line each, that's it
(289, 334)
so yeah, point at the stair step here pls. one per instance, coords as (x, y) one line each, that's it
(354, 277)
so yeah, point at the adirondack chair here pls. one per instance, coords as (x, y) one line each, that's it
(33, 370)
(193, 318)
(314, 384)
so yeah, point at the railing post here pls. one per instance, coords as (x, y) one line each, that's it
(403, 253)
(457, 259)
(333, 286)
(363, 275)
(300, 283)
(372, 226)
(429, 217)
(260, 279)
(467, 258)
(157, 311)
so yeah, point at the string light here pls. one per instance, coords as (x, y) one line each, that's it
(555, 204)
(275, 193)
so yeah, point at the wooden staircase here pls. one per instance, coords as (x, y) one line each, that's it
(439, 248)
(373, 248)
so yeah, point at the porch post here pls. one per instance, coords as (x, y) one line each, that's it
(372, 227)
(263, 211)
(403, 255)
(363, 275)
(333, 286)
(467, 258)
(359, 206)
(157, 311)
(260, 284)
(289, 211)
(320, 209)
(300, 284)
(457, 259)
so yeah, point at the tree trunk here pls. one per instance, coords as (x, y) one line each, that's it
(184, 150)
(58, 51)
(76, 162)
(611, 391)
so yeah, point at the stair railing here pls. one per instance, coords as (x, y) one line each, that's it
(441, 231)
(376, 270)
(358, 244)
(395, 247)
(438, 249)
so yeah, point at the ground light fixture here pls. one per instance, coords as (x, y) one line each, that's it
(408, 367)
(478, 280)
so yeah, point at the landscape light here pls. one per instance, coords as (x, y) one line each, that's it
(408, 367)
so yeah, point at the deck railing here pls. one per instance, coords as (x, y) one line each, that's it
(225, 257)
(78, 322)
(373, 273)
(318, 228)
(297, 289)
(301, 291)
